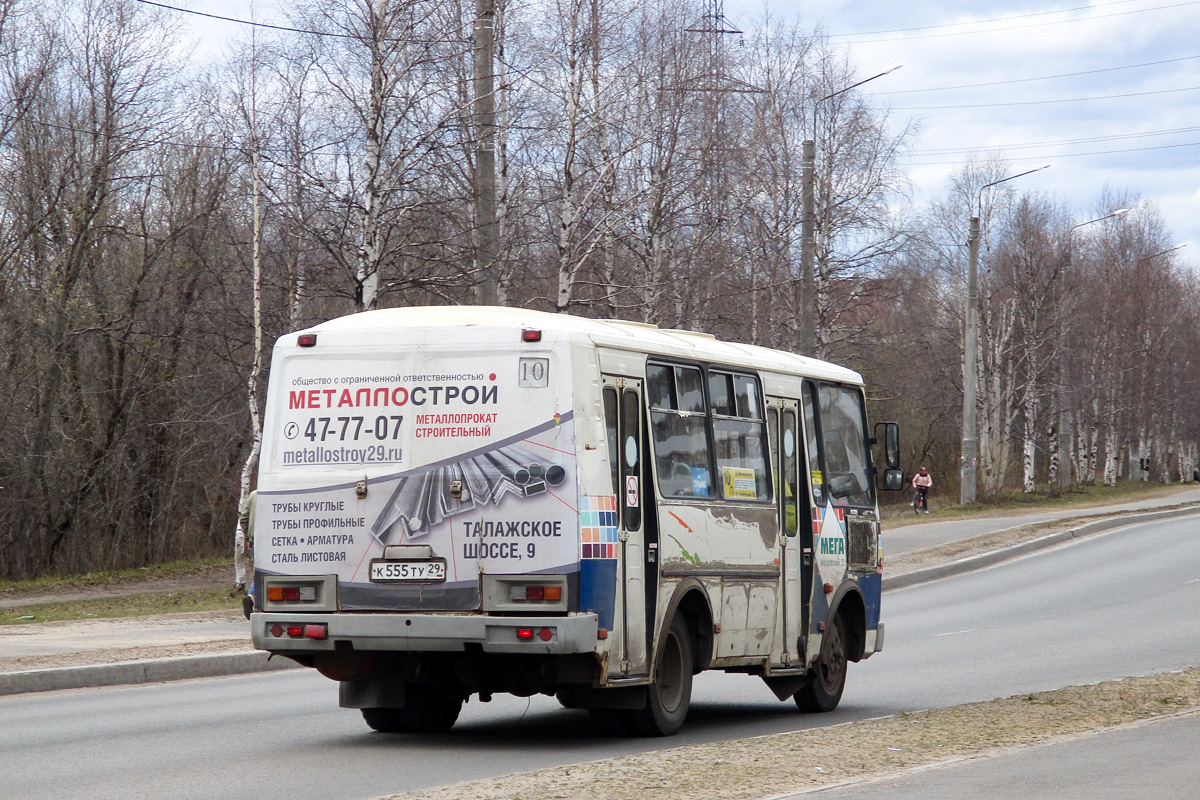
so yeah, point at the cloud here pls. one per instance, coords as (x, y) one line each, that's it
(1092, 144)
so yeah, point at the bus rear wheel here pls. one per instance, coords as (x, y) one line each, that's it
(384, 720)
(823, 692)
(426, 709)
(670, 696)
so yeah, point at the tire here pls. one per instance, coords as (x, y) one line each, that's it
(428, 709)
(828, 678)
(384, 720)
(670, 696)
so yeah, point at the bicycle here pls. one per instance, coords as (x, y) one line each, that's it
(920, 501)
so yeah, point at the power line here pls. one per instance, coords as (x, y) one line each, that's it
(981, 21)
(285, 28)
(1058, 142)
(958, 106)
(250, 23)
(1042, 78)
(1014, 27)
(1064, 155)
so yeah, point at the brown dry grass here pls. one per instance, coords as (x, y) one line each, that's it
(748, 769)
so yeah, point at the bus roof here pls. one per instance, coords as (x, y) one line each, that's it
(621, 334)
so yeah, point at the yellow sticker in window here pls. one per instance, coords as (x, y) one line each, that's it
(817, 478)
(740, 483)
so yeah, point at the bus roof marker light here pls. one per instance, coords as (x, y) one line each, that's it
(531, 335)
(307, 340)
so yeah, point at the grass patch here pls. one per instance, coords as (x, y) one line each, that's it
(174, 570)
(129, 605)
(1075, 497)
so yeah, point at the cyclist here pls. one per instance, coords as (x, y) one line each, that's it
(922, 482)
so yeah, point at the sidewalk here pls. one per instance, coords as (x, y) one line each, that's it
(110, 652)
(77, 654)
(1150, 758)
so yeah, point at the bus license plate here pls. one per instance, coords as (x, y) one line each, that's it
(408, 571)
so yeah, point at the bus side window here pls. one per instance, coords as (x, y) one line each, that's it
(773, 436)
(610, 429)
(740, 436)
(790, 484)
(816, 474)
(631, 457)
(679, 430)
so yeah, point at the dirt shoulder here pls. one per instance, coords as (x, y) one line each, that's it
(769, 766)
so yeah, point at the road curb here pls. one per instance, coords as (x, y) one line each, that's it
(223, 664)
(982, 560)
(155, 670)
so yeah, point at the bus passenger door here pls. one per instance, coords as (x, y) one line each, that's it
(623, 420)
(785, 455)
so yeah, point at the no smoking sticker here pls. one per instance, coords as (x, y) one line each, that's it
(631, 491)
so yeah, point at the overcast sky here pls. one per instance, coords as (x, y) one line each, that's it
(1108, 92)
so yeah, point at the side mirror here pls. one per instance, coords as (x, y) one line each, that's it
(893, 480)
(891, 443)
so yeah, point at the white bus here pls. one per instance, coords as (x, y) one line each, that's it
(461, 501)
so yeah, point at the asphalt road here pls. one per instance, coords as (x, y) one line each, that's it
(1108, 606)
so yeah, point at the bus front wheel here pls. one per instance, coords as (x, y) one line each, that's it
(823, 692)
(668, 698)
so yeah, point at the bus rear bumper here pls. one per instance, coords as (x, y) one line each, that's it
(295, 634)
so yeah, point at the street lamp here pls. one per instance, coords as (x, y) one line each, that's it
(966, 493)
(1162, 253)
(808, 285)
(1060, 389)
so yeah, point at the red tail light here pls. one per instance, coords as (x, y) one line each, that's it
(536, 594)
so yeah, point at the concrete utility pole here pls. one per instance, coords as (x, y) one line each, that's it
(808, 283)
(486, 245)
(808, 278)
(970, 450)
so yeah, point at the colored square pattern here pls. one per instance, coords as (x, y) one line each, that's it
(818, 514)
(598, 527)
